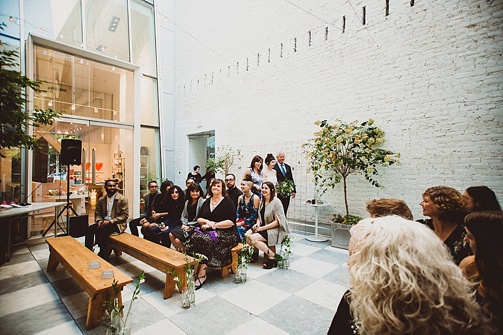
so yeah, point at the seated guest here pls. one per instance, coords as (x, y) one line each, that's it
(193, 204)
(403, 281)
(110, 216)
(216, 234)
(159, 211)
(247, 210)
(481, 198)
(149, 205)
(386, 207)
(171, 221)
(232, 191)
(343, 320)
(271, 226)
(195, 174)
(447, 209)
(484, 232)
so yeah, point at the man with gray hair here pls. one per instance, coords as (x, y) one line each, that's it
(284, 172)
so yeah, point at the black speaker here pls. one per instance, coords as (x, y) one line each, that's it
(71, 152)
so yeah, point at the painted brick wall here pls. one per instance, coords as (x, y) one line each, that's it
(260, 73)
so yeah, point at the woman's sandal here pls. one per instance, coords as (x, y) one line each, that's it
(271, 262)
(201, 283)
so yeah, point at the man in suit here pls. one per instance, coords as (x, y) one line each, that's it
(111, 216)
(284, 171)
(147, 214)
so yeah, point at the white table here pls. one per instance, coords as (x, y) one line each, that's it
(316, 238)
(78, 201)
(13, 213)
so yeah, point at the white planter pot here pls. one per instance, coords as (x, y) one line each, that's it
(340, 235)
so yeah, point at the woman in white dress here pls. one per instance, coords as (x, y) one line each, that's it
(269, 173)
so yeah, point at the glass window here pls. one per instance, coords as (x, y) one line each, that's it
(107, 28)
(10, 16)
(143, 35)
(81, 87)
(150, 160)
(149, 102)
(58, 20)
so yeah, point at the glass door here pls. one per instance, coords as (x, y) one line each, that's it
(106, 154)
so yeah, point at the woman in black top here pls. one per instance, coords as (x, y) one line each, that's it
(217, 233)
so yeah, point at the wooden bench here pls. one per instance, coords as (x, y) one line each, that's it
(233, 267)
(75, 258)
(164, 259)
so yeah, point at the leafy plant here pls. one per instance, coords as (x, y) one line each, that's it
(285, 188)
(287, 244)
(224, 160)
(346, 219)
(15, 118)
(245, 255)
(339, 149)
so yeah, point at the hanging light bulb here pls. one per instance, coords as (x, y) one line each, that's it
(50, 103)
(95, 110)
(73, 107)
(11, 19)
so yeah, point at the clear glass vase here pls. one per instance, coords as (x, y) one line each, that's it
(284, 263)
(241, 275)
(188, 293)
(119, 325)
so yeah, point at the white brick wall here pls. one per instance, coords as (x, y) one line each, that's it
(430, 75)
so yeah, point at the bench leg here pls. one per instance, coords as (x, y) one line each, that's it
(169, 286)
(52, 264)
(96, 308)
(224, 271)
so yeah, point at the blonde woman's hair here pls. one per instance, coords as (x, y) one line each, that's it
(404, 282)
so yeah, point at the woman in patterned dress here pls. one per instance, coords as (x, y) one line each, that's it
(217, 233)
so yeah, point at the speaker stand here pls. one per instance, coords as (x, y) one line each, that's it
(66, 208)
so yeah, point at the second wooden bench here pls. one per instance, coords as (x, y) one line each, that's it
(164, 259)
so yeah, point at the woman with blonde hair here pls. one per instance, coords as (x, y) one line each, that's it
(403, 282)
(447, 209)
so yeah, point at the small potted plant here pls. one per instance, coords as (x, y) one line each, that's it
(341, 224)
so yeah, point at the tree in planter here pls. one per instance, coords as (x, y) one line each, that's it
(224, 160)
(15, 118)
(339, 149)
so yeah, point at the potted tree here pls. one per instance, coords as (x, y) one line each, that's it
(340, 149)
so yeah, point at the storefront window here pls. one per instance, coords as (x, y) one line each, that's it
(83, 88)
(143, 35)
(58, 20)
(107, 28)
(150, 168)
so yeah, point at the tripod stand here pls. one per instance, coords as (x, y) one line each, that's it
(67, 207)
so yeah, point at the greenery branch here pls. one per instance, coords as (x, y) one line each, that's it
(16, 120)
